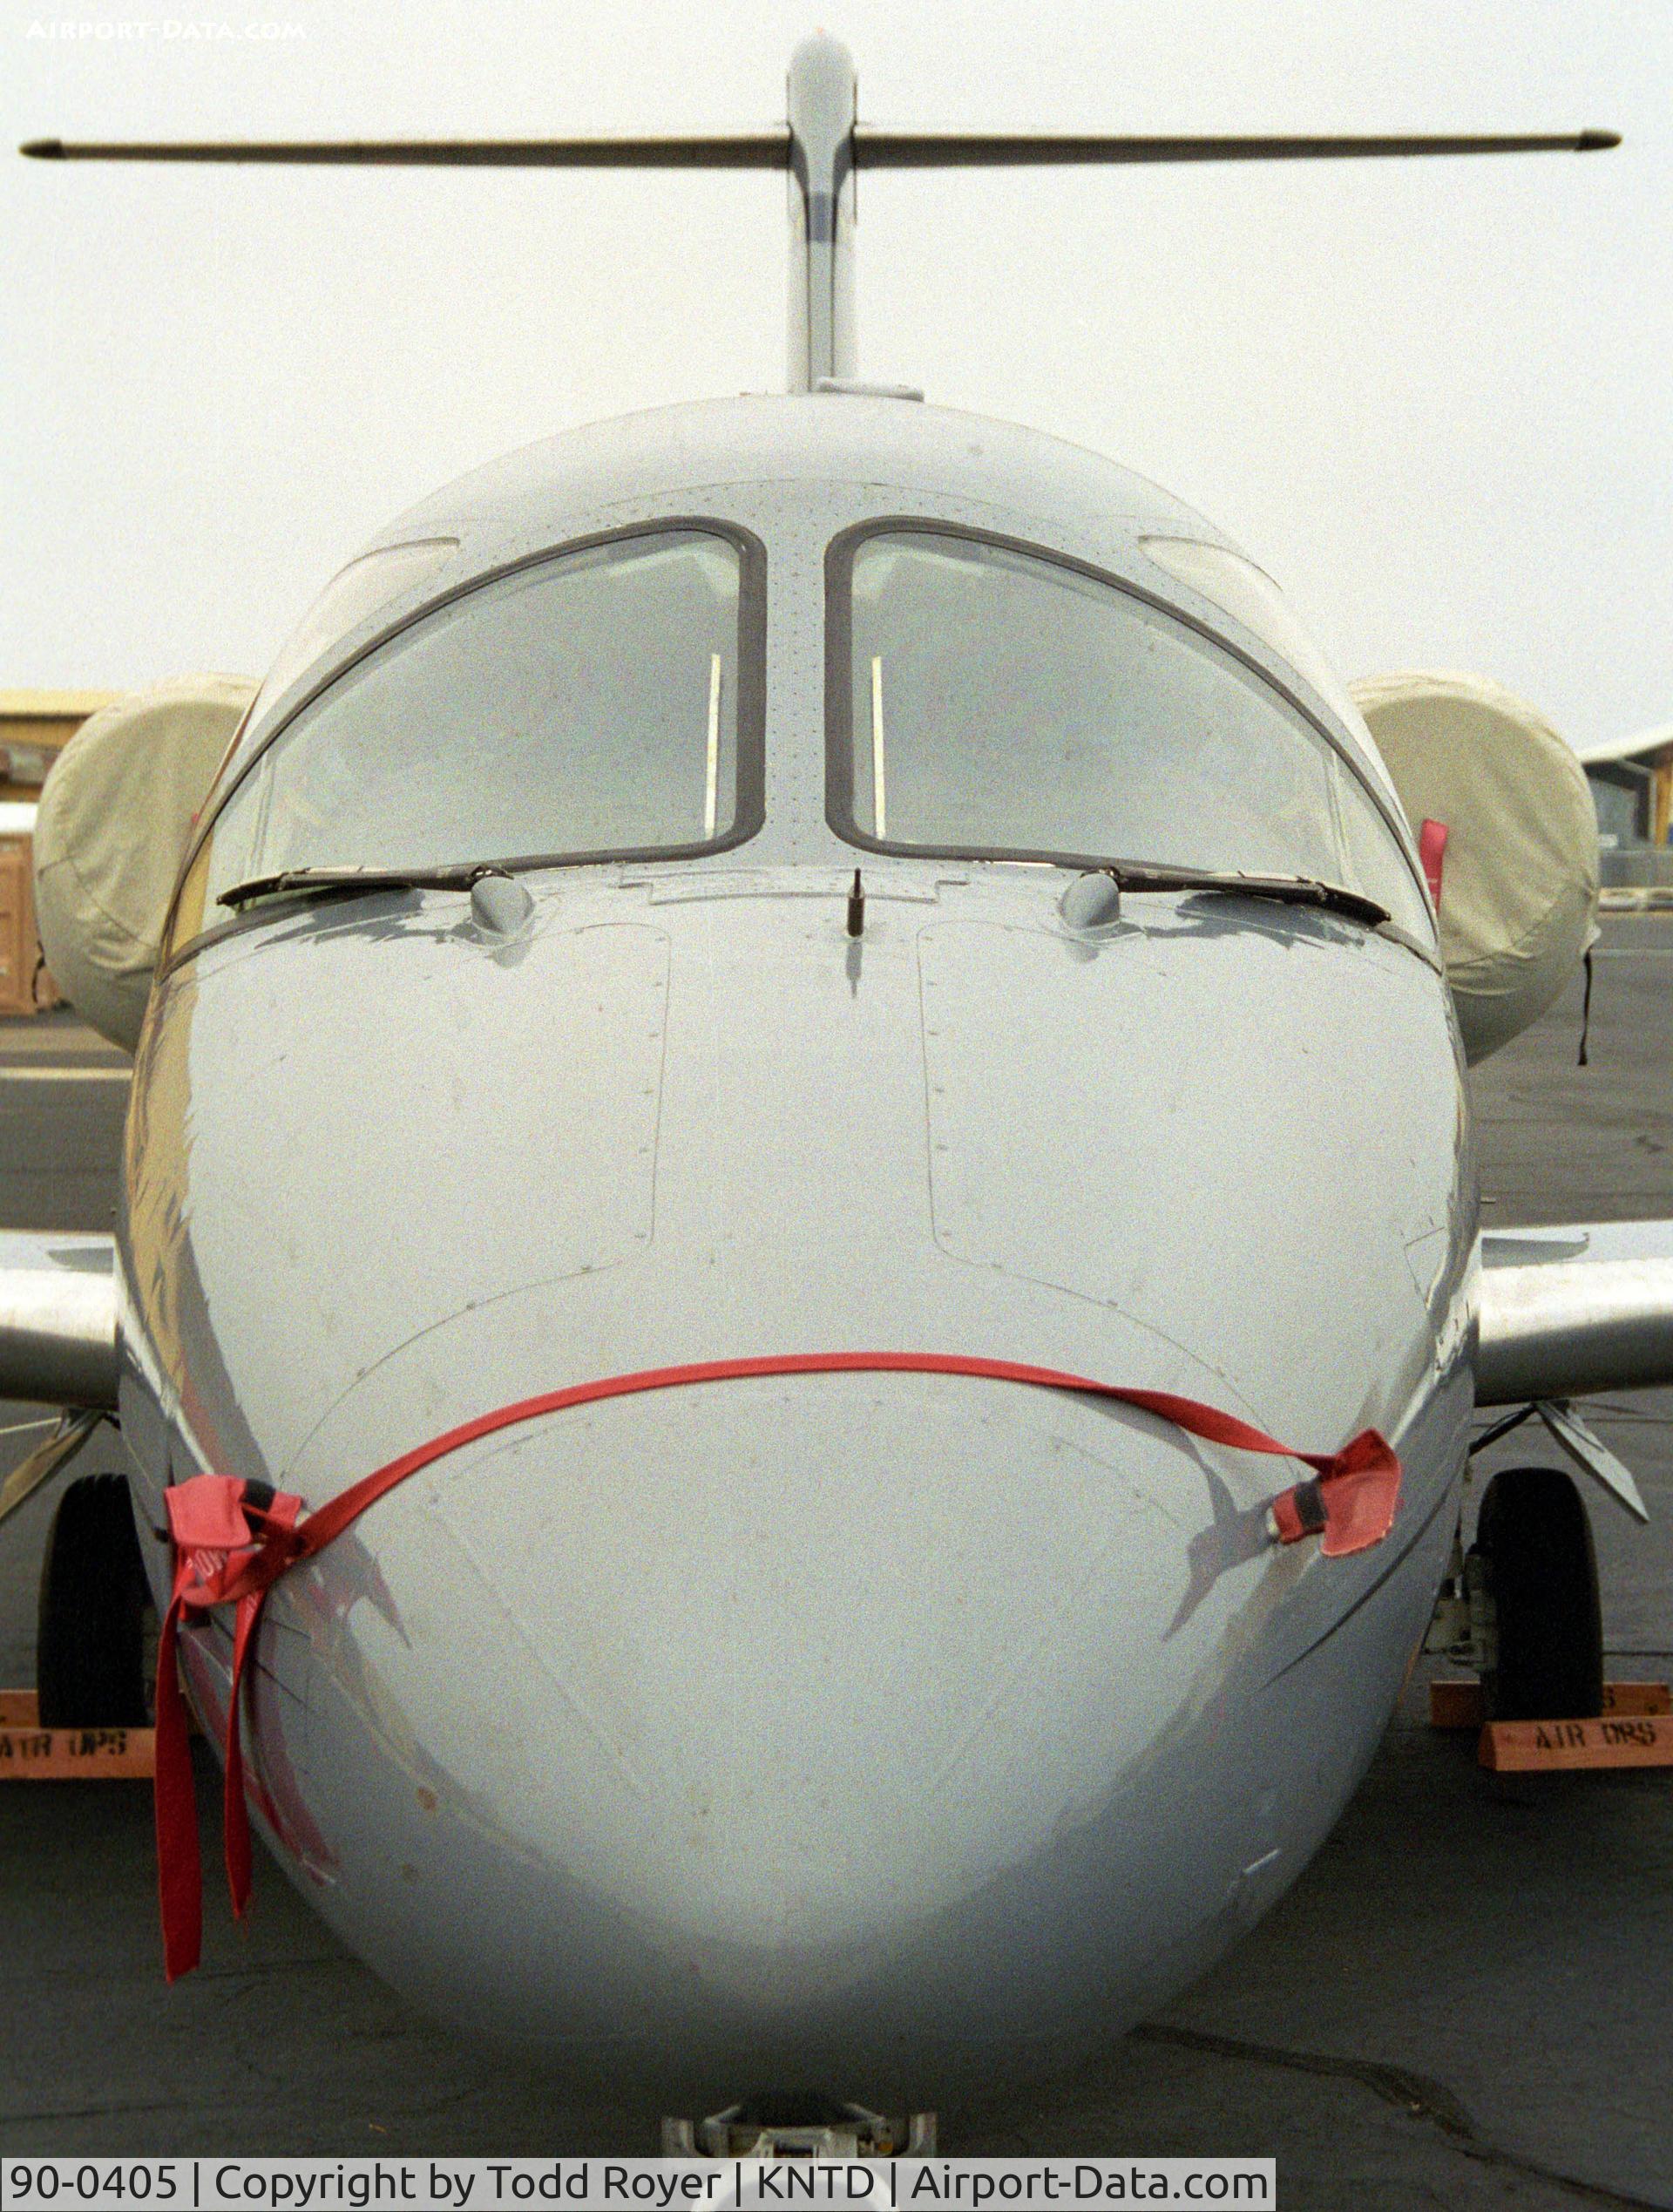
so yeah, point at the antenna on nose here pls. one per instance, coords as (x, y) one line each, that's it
(820, 105)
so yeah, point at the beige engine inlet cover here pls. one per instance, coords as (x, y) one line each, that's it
(115, 818)
(1519, 891)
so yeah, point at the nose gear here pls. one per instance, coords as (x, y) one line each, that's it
(800, 2126)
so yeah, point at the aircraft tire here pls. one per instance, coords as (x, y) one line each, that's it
(1536, 1537)
(90, 1644)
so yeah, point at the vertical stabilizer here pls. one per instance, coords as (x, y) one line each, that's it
(821, 109)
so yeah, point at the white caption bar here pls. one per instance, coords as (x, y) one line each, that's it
(661, 2184)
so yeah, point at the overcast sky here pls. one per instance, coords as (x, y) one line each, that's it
(1432, 397)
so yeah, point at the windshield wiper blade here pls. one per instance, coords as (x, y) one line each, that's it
(1289, 891)
(459, 876)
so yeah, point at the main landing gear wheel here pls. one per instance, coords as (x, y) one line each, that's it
(1535, 1540)
(96, 1612)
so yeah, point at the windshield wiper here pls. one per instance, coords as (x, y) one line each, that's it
(1289, 891)
(460, 876)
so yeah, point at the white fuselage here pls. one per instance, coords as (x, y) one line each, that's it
(894, 1732)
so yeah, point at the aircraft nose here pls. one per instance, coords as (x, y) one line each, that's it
(775, 1674)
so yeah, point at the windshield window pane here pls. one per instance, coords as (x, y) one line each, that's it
(586, 706)
(352, 594)
(1002, 702)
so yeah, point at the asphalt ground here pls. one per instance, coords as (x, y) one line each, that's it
(1464, 2003)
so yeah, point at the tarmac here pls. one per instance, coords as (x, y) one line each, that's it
(1464, 2003)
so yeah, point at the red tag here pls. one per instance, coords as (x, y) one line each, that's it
(1431, 850)
(1349, 1505)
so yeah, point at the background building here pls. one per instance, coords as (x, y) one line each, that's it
(1632, 788)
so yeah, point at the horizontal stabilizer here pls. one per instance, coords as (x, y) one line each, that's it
(766, 149)
(770, 149)
(1565, 1311)
(879, 149)
(821, 144)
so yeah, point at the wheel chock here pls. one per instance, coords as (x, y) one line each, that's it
(30, 1752)
(1458, 1704)
(1552, 1746)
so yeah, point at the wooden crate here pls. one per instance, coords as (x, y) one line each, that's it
(25, 985)
(17, 931)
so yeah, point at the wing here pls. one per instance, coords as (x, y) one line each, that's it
(57, 1320)
(1568, 1311)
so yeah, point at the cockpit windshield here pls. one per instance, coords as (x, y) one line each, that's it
(989, 701)
(603, 702)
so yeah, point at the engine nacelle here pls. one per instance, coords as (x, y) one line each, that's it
(1519, 887)
(111, 832)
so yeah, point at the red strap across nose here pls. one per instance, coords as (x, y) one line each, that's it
(233, 1540)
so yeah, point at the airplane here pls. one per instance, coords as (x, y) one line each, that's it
(798, 1294)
